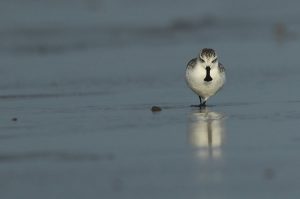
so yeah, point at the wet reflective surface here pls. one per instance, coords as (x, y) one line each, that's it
(77, 87)
(206, 133)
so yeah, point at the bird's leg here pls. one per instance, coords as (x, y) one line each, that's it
(203, 104)
(200, 101)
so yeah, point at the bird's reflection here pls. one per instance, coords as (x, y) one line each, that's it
(206, 133)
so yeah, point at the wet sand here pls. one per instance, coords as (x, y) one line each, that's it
(76, 147)
(76, 119)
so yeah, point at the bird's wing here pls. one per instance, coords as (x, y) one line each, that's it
(221, 68)
(192, 63)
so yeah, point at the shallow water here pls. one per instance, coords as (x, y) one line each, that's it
(76, 94)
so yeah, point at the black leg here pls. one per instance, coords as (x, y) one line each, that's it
(202, 104)
(200, 101)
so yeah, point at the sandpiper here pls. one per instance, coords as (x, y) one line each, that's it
(205, 75)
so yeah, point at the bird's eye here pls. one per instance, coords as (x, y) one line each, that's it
(214, 61)
(201, 60)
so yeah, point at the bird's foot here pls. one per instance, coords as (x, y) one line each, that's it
(202, 105)
(198, 105)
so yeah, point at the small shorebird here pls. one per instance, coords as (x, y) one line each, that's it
(205, 75)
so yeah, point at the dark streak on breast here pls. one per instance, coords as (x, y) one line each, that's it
(208, 77)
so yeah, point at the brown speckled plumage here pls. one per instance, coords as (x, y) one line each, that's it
(205, 75)
(221, 68)
(207, 52)
(192, 63)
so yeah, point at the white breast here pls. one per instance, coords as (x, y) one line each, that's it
(195, 80)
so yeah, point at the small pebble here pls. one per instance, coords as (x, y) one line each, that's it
(155, 109)
(14, 119)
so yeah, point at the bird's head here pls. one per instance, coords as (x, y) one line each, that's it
(208, 59)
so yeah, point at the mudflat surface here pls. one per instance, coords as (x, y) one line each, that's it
(76, 93)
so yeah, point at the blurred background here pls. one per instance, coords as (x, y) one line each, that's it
(78, 79)
(87, 44)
